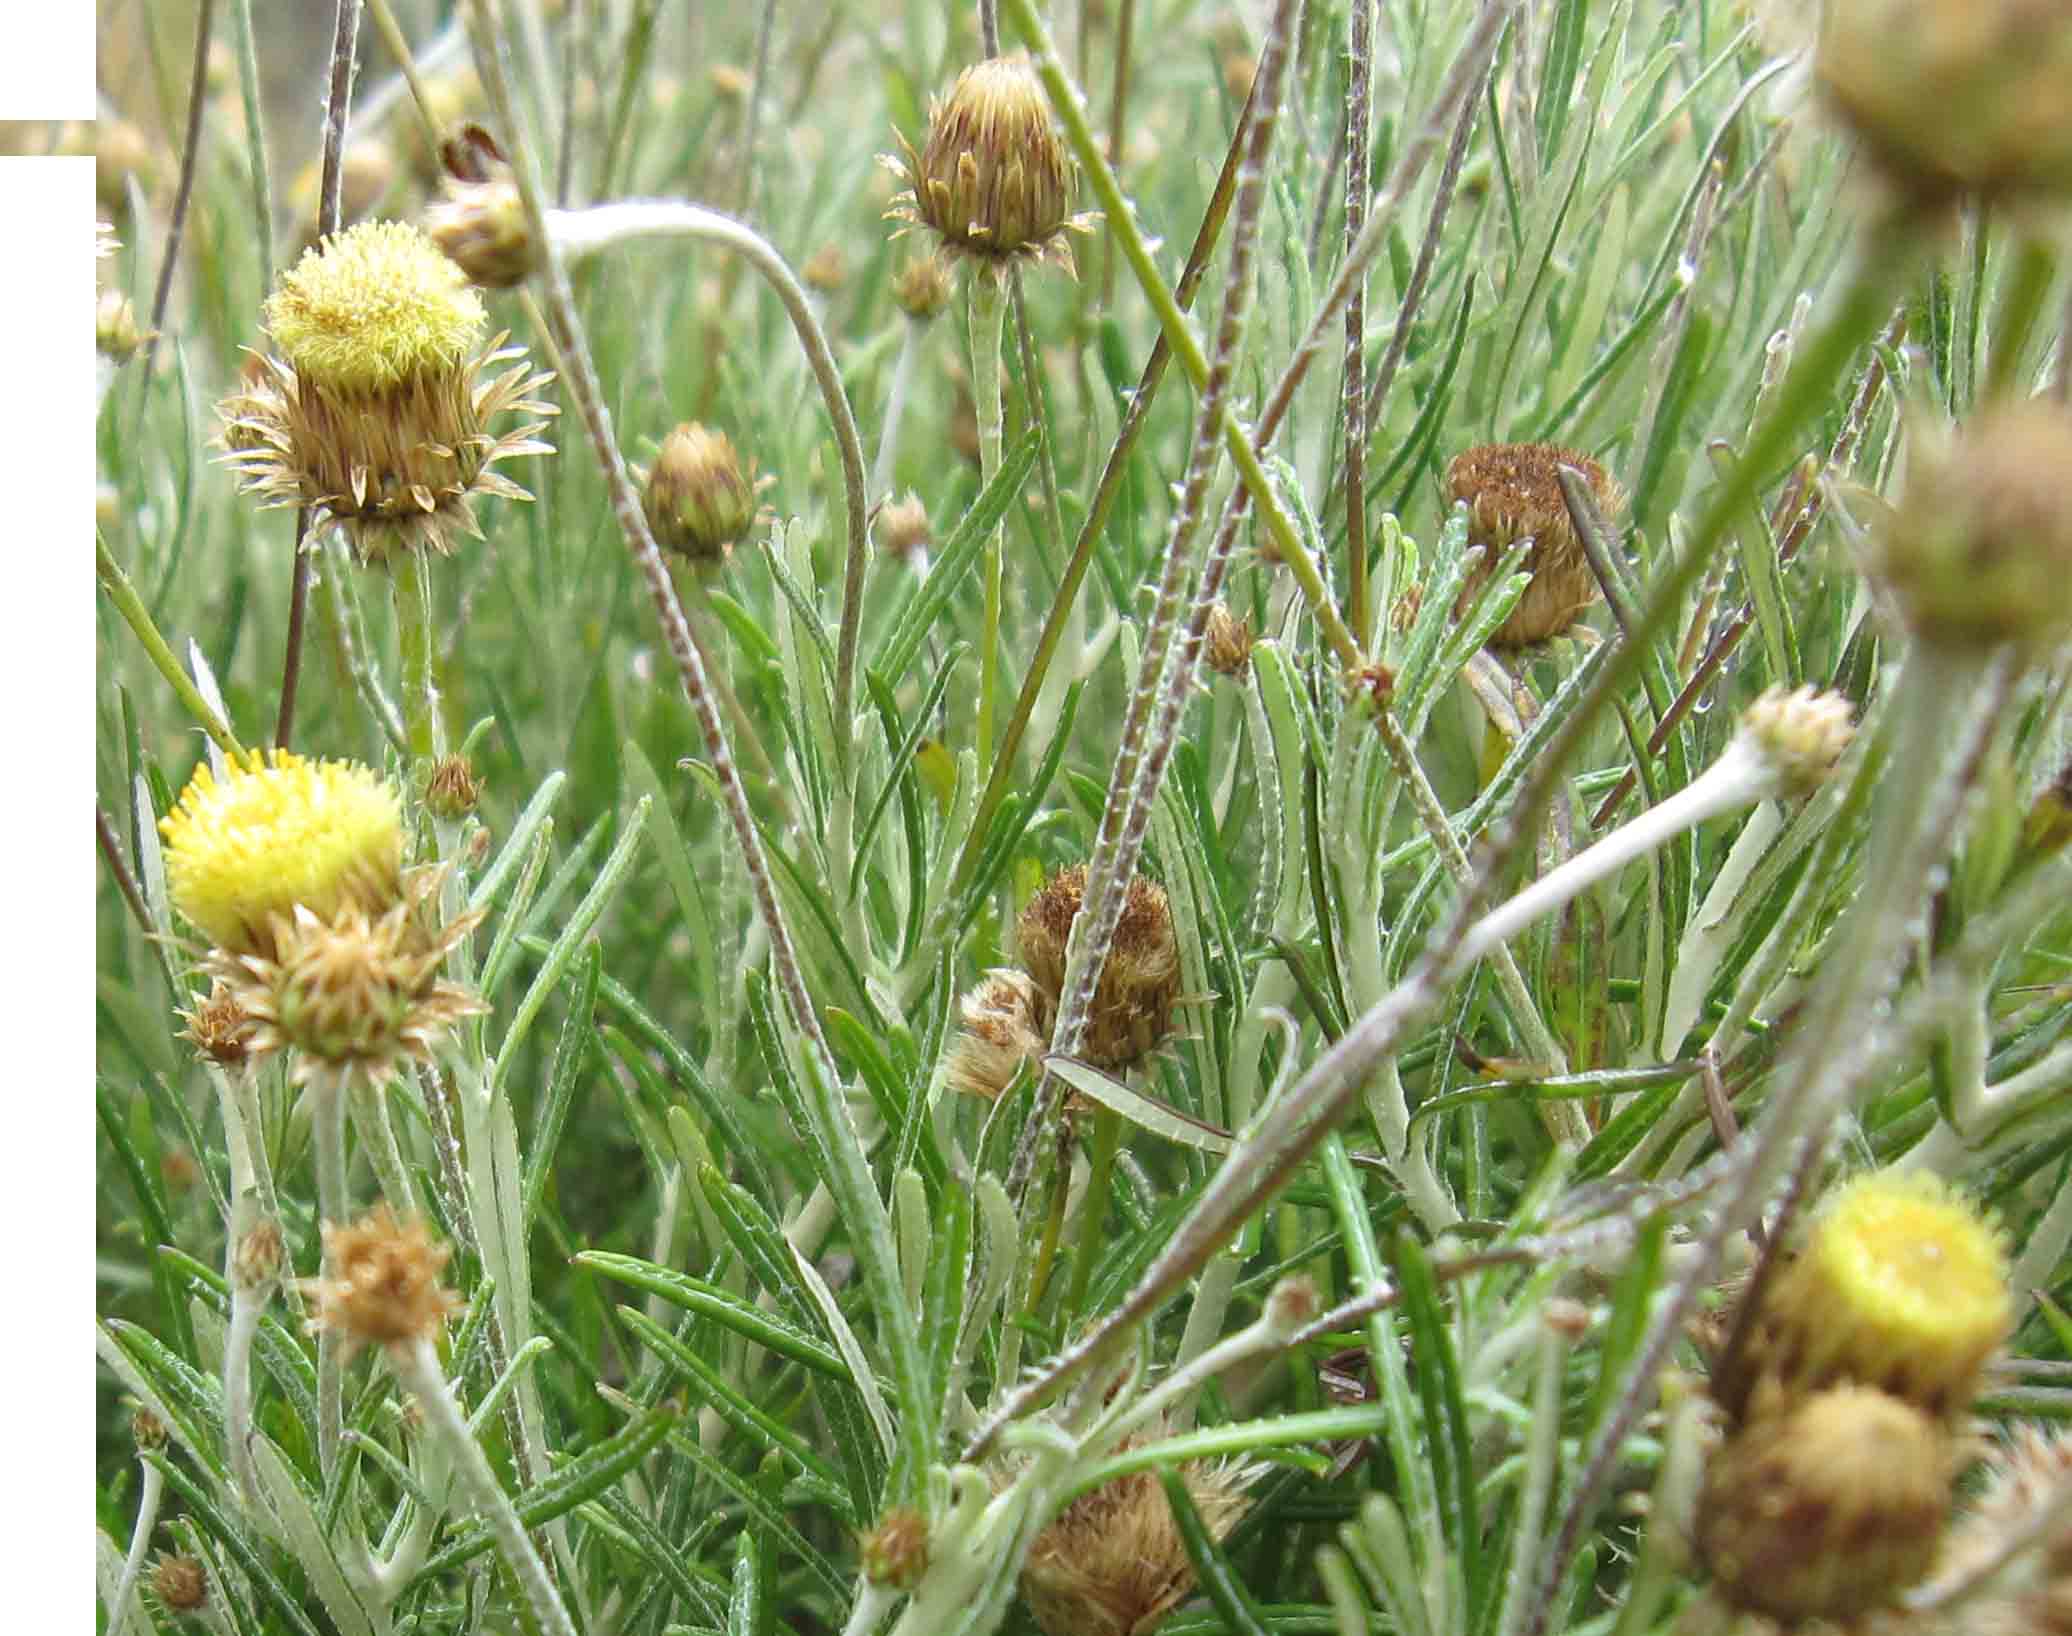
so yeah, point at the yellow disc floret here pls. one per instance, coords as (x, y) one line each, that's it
(276, 833)
(374, 307)
(1900, 1285)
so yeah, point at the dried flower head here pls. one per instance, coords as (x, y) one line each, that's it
(219, 1028)
(381, 1281)
(895, 1553)
(454, 789)
(179, 1583)
(1112, 1563)
(1006, 1023)
(356, 996)
(921, 288)
(903, 527)
(1227, 644)
(698, 499)
(1979, 550)
(277, 833)
(479, 217)
(2021, 1501)
(1513, 492)
(1900, 1284)
(375, 412)
(1997, 75)
(1827, 1510)
(993, 181)
(1801, 733)
(1132, 1010)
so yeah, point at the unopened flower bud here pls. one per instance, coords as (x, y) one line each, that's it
(117, 335)
(895, 1553)
(453, 790)
(1227, 643)
(903, 526)
(994, 180)
(1979, 550)
(479, 218)
(180, 1584)
(698, 500)
(1801, 733)
(256, 1263)
(1827, 1510)
(1954, 96)
(147, 1431)
(220, 1029)
(922, 287)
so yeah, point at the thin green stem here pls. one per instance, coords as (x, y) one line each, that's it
(328, 1138)
(416, 1368)
(1093, 1213)
(134, 614)
(255, 136)
(987, 315)
(412, 587)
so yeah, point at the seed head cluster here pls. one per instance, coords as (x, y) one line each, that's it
(381, 1285)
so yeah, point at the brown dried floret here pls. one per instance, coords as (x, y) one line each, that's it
(381, 1281)
(1513, 492)
(180, 1583)
(1132, 1010)
(1006, 1023)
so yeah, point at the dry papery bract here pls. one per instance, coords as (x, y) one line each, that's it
(1132, 1010)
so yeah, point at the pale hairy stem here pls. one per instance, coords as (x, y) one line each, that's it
(896, 395)
(415, 1365)
(327, 1126)
(152, 1489)
(987, 316)
(246, 1309)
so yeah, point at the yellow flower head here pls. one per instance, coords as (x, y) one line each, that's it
(1900, 1285)
(276, 833)
(373, 307)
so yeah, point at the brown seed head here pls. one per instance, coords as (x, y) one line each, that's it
(2025, 1479)
(453, 790)
(895, 1553)
(1132, 1010)
(1112, 1564)
(1227, 644)
(381, 1281)
(698, 500)
(179, 1583)
(922, 288)
(219, 1028)
(1827, 1510)
(1955, 96)
(1979, 551)
(1006, 1023)
(1512, 491)
(994, 180)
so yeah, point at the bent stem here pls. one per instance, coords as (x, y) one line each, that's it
(583, 232)
(140, 1542)
(416, 1368)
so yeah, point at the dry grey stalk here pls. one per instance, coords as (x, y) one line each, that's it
(1130, 795)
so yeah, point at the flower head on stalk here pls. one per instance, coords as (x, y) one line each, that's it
(375, 405)
(993, 180)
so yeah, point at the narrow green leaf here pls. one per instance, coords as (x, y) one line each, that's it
(766, 1329)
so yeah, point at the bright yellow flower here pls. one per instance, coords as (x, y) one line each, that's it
(276, 833)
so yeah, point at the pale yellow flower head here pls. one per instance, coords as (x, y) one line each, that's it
(373, 307)
(279, 832)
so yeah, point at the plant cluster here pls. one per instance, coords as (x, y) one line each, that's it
(1352, 914)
